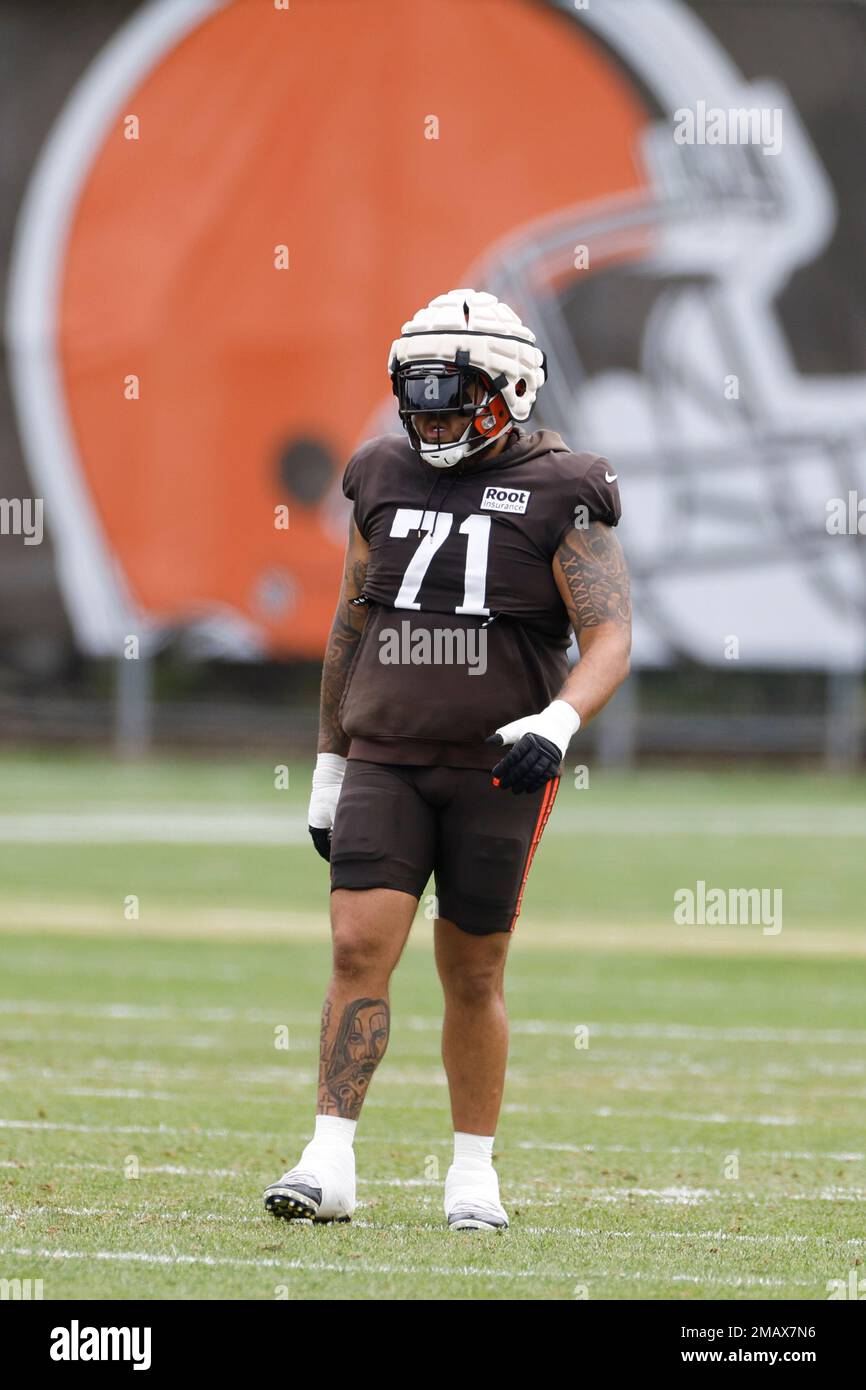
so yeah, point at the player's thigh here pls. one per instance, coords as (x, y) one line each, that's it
(487, 840)
(384, 838)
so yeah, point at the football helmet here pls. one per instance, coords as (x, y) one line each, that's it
(461, 337)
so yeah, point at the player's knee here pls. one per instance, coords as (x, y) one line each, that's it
(356, 954)
(474, 984)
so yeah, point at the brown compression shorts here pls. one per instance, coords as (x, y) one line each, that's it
(395, 825)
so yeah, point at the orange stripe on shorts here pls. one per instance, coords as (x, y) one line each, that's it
(544, 811)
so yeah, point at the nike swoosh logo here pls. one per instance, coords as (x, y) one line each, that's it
(609, 477)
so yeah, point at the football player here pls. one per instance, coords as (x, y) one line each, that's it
(473, 548)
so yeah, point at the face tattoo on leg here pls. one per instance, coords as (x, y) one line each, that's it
(362, 1037)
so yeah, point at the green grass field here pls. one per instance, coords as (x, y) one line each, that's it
(707, 1143)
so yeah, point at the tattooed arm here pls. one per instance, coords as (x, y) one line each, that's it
(591, 575)
(343, 639)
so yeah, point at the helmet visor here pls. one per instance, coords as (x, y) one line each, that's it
(428, 389)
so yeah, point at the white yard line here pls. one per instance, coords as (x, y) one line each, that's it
(125, 824)
(182, 1170)
(682, 1194)
(521, 1192)
(270, 1075)
(404, 1141)
(604, 1112)
(306, 1266)
(693, 1196)
(235, 1098)
(152, 1209)
(361, 1267)
(179, 1170)
(120, 1012)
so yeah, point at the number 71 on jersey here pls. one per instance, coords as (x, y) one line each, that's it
(475, 528)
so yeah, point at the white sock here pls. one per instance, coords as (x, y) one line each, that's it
(473, 1151)
(333, 1132)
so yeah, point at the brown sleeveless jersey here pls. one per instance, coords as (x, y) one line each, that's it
(465, 626)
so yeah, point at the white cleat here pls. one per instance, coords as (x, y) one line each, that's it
(321, 1188)
(472, 1201)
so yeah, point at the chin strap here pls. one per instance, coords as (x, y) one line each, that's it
(476, 446)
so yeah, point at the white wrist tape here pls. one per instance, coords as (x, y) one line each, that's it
(327, 782)
(559, 722)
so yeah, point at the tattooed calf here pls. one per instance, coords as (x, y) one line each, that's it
(362, 1036)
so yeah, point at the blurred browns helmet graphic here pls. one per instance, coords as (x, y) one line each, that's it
(247, 259)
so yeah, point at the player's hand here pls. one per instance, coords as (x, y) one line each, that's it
(539, 743)
(327, 782)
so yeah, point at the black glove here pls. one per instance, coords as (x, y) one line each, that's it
(322, 841)
(528, 764)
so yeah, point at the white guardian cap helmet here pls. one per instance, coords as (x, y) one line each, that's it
(461, 338)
